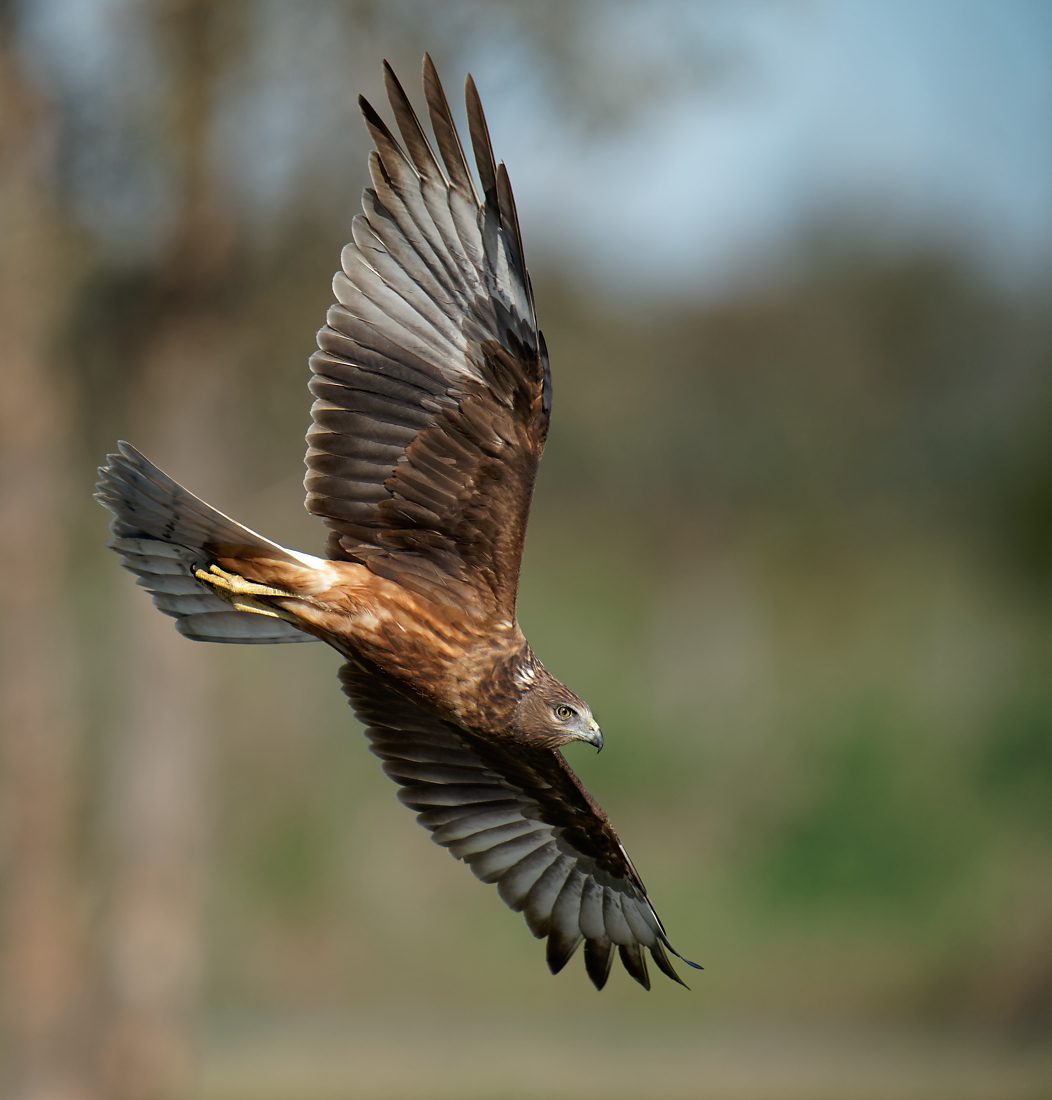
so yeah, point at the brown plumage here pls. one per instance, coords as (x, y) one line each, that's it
(432, 397)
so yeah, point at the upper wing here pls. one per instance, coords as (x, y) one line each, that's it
(522, 819)
(431, 378)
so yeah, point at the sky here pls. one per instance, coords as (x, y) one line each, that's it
(928, 120)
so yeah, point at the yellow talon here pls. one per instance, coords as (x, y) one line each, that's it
(259, 609)
(234, 585)
(242, 594)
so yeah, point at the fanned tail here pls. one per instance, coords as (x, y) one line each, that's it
(163, 533)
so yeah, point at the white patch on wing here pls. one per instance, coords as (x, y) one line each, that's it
(327, 576)
(525, 676)
(307, 559)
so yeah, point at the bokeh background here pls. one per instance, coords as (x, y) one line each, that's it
(792, 538)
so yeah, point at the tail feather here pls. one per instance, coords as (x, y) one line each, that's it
(163, 534)
(146, 502)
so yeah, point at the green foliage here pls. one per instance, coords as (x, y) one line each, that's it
(1014, 763)
(866, 839)
(289, 869)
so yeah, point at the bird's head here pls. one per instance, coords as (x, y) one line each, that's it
(550, 714)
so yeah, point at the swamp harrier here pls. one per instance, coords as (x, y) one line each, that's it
(431, 401)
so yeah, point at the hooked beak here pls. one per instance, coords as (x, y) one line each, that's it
(594, 736)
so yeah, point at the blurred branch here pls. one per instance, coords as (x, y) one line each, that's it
(160, 767)
(45, 980)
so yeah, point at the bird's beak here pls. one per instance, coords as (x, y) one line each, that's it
(594, 736)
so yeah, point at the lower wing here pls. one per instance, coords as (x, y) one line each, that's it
(519, 818)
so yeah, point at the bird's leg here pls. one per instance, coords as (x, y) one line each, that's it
(231, 584)
(244, 595)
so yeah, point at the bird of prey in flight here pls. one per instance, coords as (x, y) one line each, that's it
(432, 395)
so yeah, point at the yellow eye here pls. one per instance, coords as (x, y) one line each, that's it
(563, 712)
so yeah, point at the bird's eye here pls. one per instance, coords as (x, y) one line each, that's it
(563, 712)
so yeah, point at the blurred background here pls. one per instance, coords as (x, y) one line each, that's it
(792, 539)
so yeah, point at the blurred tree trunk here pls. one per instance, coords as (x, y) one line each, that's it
(44, 964)
(160, 769)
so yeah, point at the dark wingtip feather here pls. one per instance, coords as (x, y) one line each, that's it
(598, 958)
(635, 963)
(369, 113)
(665, 966)
(480, 142)
(445, 129)
(560, 950)
(683, 958)
(413, 136)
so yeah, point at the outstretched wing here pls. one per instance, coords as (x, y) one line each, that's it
(431, 378)
(519, 818)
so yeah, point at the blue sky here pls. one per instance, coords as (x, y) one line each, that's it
(927, 120)
(914, 120)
